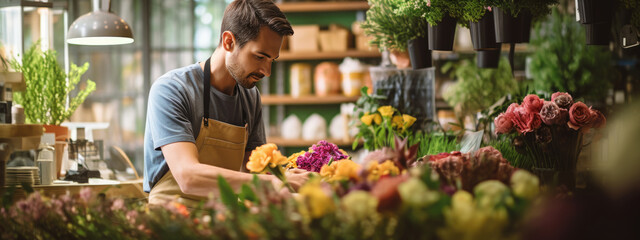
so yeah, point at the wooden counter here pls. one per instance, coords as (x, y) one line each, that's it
(111, 188)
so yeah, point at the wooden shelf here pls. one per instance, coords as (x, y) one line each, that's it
(306, 143)
(323, 6)
(306, 100)
(285, 55)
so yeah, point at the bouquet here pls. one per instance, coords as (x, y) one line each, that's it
(549, 133)
(319, 154)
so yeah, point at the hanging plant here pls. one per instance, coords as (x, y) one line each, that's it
(391, 23)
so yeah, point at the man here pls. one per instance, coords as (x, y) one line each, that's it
(203, 120)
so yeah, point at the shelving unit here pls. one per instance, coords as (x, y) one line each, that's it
(306, 143)
(323, 6)
(306, 100)
(288, 56)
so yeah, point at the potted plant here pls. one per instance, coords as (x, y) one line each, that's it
(479, 16)
(442, 17)
(394, 25)
(45, 98)
(513, 18)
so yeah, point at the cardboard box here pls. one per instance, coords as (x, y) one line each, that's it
(362, 43)
(304, 39)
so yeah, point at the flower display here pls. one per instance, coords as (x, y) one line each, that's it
(318, 155)
(263, 156)
(293, 159)
(549, 133)
(340, 170)
(376, 170)
(386, 111)
(315, 199)
(379, 128)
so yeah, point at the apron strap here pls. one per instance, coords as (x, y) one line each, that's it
(207, 90)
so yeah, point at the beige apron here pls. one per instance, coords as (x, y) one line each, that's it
(219, 144)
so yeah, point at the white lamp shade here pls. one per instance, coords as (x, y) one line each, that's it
(99, 28)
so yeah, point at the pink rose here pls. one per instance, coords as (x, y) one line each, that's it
(532, 103)
(563, 100)
(552, 114)
(503, 123)
(598, 119)
(512, 108)
(579, 116)
(533, 121)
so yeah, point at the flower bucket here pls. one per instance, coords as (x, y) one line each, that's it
(410, 91)
(598, 33)
(489, 58)
(483, 33)
(510, 29)
(419, 53)
(554, 177)
(441, 36)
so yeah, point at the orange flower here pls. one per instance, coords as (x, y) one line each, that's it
(293, 159)
(182, 209)
(377, 170)
(264, 155)
(340, 170)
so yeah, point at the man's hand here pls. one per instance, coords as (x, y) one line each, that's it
(297, 177)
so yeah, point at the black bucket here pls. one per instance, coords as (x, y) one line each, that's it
(441, 36)
(505, 25)
(419, 52)
(598, 33)
(483, 33)
(489, 58)
(524, 31)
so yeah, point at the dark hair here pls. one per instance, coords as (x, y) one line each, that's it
(244, 18)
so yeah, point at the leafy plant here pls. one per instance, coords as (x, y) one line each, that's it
(563, 62)
(47, 90)
(438, 9)
(473, 10)
(538, 8)
(477, 89)
(392, 24)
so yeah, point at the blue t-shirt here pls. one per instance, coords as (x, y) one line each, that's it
(175, 112)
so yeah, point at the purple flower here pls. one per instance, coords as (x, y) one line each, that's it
(318, 155)
(552, 114)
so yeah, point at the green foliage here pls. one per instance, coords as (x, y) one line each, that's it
(477, 89)
(391, 24)
(563, 62)
(473, 10)
(47, 90)
(508, 150)
(538, 8)
(432, 144)
(438, 9)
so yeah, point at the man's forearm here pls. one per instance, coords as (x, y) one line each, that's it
(201, 179)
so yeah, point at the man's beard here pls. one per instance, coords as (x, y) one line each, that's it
(246, 82)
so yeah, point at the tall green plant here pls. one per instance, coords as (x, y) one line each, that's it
(538, 8)
(45, 97)
(563, 62)
(392, 23)
(477, 89)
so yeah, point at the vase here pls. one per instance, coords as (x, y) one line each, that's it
(441, 36)
(419, 53)
(555, 177)
(62, 133)
(483, 33)
(489, 58)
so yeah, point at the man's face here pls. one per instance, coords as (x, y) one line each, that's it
(252, 62)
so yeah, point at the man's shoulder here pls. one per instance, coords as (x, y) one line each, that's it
(179, 78)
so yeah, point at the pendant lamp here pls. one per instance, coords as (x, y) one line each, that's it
(100, 27)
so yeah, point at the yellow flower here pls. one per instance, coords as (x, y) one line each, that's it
(314, 199)
(264, 155)
(293, 159)
(340, 170)
(257, 161)
(408, 121)
(359, 205)
(525, 184)
(367, 118)
(396, 121)
(491, 194)
(377, 170)
(464, 219)
(415, 192)
(377, 119)
(386, 111)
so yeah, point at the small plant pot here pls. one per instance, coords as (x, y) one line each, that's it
(483, 33)
(524, 31)
(441, 36)
(419, 53)
(489, 58)
(598, 33)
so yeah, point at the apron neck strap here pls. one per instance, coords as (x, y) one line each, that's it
(207, 90)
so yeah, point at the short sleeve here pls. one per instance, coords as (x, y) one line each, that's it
(169, 114)
(256, 136)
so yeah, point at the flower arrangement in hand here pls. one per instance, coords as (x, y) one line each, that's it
(549, 132)
(268, 158)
